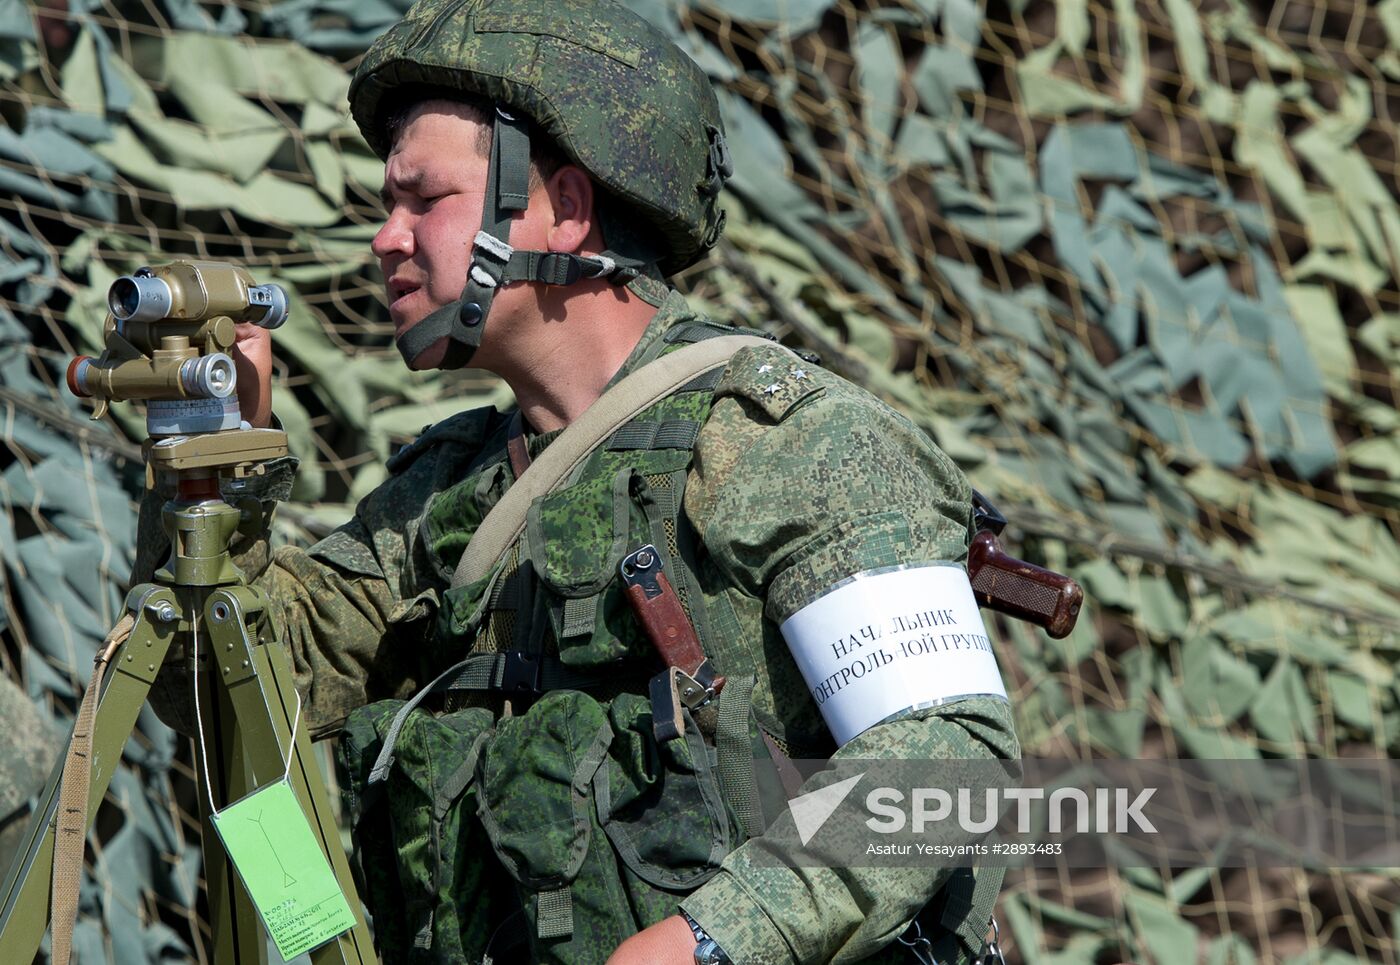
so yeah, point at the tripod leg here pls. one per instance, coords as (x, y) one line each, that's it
(254, 672)
(249, 707)
(25, 895)
(236, 935)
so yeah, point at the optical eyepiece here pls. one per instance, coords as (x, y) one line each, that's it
(194, 291)
(275, 300)
(139, 298)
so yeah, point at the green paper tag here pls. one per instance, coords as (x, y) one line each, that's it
(270, 842)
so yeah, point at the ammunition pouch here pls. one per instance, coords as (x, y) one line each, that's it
(417, 840)
(596, 829)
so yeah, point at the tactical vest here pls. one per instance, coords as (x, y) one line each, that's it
(529, 813)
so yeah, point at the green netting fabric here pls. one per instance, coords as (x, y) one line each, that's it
(1134, 265)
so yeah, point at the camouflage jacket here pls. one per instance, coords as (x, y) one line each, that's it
(795, 480)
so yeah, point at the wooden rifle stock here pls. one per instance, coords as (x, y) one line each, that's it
(1022, 590)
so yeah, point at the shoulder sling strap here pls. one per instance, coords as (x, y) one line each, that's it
(616, 407)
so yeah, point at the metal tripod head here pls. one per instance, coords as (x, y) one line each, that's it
(168, 335)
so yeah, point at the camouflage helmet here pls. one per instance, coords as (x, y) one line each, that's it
(613, 93)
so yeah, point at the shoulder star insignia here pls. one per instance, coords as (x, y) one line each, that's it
(773, 389)
(799, 373)
(765, 368)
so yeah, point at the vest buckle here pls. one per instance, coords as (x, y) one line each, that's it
(521, 671)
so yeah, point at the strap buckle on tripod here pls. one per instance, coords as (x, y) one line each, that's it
(521, 671)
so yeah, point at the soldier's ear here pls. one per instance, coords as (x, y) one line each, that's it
(571, 194)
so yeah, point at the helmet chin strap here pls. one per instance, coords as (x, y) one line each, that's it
(495, 263)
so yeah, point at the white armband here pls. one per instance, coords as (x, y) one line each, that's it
(891, 640)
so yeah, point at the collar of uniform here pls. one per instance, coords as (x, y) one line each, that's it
(535, 442)
(673, 310)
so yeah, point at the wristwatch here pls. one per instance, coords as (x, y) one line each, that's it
(707, 950)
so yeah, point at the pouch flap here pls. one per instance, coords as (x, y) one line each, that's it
(431, 749)
(346, 549)
(452, 516)
(579, 535)
(534, 786)
(660, 804)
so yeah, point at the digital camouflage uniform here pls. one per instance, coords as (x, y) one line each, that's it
(789, 490)
(549, 824)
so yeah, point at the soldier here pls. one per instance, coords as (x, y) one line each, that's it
(548, 164)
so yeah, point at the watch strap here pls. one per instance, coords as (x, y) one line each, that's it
(707, 950)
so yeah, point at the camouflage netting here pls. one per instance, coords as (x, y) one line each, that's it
(1133, 265)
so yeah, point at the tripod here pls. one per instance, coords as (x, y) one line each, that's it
(248, 706)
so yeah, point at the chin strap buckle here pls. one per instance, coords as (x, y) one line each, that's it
(490, 256)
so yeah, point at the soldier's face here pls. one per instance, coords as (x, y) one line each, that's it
(434, 187)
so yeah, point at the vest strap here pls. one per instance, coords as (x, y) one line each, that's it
(734, 753)
(963, 910)
(703, 331)
(705, 382)
(580, 617)
(515, 671)
(554, 913)
(672, 434)
(518, 452)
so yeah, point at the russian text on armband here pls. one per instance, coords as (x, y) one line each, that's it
(890, 640)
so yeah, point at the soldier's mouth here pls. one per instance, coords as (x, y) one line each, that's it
(398, 293)
(401, 309)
